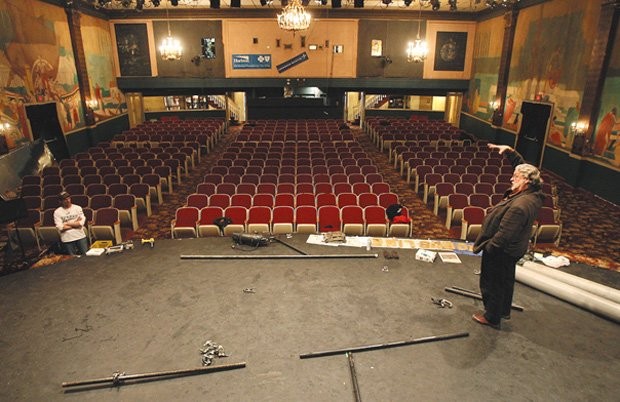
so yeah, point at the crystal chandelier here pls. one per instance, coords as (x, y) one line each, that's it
(170, 48)
(418, 49)
(294, 17)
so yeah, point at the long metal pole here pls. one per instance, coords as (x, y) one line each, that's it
(118, 378)
(356, 387)
(474, 295)
(289, 246)
(275, 256)
(384, 345)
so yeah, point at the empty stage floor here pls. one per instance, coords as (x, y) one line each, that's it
(147, 310)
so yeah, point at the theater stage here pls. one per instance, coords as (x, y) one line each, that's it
(147, 310)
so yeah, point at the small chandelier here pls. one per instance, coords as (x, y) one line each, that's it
(170, 48)
(418, 49)
(294, 17)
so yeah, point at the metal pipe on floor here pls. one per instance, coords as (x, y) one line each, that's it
(356, 387)
(119, 378)
(289, 246)
(474, 295)
(384, 345)
(571, 294)
(275, 256)
(581, 283)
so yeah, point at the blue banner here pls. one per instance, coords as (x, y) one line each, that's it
(251, 61)
(300, 58)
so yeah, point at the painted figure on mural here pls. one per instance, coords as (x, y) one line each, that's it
(555, 135)
(603, 133)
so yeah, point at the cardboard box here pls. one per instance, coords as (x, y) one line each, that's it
(425, 255)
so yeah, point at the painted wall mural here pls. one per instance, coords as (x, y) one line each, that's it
(36, 65)
(486, 61)
(603, 145)
(98, 51)
(544, 68)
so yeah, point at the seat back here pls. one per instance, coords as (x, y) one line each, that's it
(329, 218)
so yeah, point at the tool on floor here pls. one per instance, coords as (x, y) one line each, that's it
(114, 249)
(210, 351)
(119, 378)
(474, 295)
(442, 302)
(384, 345)
(150, 241)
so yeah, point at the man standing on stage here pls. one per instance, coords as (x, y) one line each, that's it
(504, 238)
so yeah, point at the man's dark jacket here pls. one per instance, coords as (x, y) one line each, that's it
(507, 226)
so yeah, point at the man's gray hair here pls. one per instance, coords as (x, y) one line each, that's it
(531, 173)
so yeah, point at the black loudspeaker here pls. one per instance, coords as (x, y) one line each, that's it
(215, 3)
(358, 3)
(235, 3)
(12, 210)
(336, 3)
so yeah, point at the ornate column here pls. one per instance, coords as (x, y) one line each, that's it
(135, 108)
(597, 70)
(454, 101)
(75, 31)
(510, 19)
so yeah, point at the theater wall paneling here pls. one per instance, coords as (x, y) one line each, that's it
(551, 52)
(328, 49)
(37, 65)
(393, 37)
(98, 52)
(485, 65)
(194, 62)
(604, 144)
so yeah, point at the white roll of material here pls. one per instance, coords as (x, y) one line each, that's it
(585, 284)
(569, 293)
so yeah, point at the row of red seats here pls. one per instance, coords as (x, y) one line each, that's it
(351, 219)
(258, 167)
(292, 188)
(292, 200)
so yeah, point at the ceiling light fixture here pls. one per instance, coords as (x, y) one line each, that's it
(417, 51)
(294, 17)
(170, 48)
(502, 3)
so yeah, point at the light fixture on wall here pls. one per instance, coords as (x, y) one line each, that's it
(170, 48)
(294, 17)
(418, 49)
(579, 128)
(4, 126)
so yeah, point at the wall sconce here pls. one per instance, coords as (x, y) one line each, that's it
(578, 131)
(4, 126)
(579, 128)
(92, 104)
